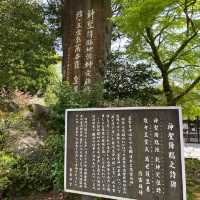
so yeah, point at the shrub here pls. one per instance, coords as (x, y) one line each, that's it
(7, 164)
(193, 175)
(11, 121)
(68, 98)
(55, 146)
(22, 175)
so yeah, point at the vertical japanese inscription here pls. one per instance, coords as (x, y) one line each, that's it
(89, 46)
(133, 154)
(78, 49)
(86, 42)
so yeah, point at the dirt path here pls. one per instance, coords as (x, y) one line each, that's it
(50, 196)
(44, 196)
(197, 196)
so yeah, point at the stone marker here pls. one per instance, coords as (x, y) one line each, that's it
(125, 153)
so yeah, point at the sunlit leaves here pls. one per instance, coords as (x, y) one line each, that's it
(175, 29)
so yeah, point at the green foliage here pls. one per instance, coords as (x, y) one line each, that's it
(22, 173)
(26, 46)
(137, 15)
(11, 121)
(66, 97)
(190, 196)
(30, 174)
(191, 105)
(55, 146)
(7, 164)
(54, 11)
(165, 36)
(42, 169)
(193, 175)
(125, 80)
(33, 172)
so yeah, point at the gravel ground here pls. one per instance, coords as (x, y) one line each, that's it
(192, 151)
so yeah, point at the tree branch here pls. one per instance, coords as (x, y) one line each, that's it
(165, 27)
(195, 82)
(155, 53)
(174, 69)
(181, 48)
(186, 66)
(189, 50)
(189, 21)
(161, 31)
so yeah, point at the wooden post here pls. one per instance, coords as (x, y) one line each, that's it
(87, 38)
(87, 198)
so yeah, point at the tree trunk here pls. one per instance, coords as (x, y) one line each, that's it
(167, 89)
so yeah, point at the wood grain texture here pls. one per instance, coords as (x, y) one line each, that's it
(102, 38)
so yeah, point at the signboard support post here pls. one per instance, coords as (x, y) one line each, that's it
(87, 197)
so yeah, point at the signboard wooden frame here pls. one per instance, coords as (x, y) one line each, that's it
(125, 108)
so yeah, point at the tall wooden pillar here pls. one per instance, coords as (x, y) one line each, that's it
(87, 39)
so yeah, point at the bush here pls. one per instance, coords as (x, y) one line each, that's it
(66, 97)
(7, 164)
(55, 146)
(42, 169)
(193, 176)
(23, 175)
(11, 121)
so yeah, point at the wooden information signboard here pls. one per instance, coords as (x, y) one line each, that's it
(87, 41)
(125, 153)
